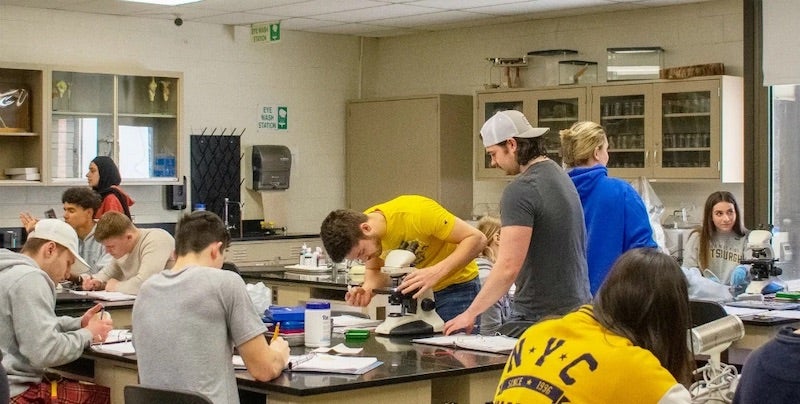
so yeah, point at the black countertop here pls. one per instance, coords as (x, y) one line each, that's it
(403, 361)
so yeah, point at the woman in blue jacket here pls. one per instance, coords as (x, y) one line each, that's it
(615, 216)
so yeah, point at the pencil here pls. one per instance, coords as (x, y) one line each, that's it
(275, 332)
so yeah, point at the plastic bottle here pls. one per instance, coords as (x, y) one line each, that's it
(317, 320)
(301, 260)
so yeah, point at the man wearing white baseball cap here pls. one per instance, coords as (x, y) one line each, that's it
(32, 337)
(548, 265)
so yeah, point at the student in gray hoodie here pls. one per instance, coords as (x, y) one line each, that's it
(32, 337)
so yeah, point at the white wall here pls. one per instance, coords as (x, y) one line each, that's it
(455, 61)
(226, 77)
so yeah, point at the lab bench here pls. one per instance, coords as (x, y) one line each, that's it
(410, 372)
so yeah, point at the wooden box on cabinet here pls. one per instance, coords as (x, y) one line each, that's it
(410, 145)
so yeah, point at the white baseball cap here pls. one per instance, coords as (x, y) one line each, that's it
(507, 124)
(60, 232)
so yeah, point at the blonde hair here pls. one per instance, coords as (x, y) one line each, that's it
(579, 142)
(489, 226)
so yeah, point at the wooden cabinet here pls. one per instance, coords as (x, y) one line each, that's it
(411, 145)
(69, 116)
(21, 123)
(675, 130)
(551, 108)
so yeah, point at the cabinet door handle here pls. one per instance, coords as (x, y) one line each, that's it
(655, 156)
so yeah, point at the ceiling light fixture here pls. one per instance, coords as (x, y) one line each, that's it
(164, 2)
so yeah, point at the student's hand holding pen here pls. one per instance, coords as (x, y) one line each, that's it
(98, 322)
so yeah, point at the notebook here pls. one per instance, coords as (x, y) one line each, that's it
(119, 348)
(324, 363)
(494, 343)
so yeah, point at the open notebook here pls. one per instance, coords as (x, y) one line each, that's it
(324, 363)
(495, 343)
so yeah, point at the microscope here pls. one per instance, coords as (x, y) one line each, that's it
(759, 255)
(406, 315)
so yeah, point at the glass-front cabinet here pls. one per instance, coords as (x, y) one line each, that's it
(623, 112)
(550, 108)
(673, 130)
(132, 118)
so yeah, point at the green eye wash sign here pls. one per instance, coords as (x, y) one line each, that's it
(266, 32)
(273, 117)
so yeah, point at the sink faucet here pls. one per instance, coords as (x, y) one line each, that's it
(229, 226)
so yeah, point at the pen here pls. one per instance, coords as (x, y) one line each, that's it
(275, 332)
(102, 312)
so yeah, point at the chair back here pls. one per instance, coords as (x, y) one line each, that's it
(137, 394)
(705, 311)
(514, 328)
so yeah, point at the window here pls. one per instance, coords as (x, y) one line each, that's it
(136, 151)
(785, 166)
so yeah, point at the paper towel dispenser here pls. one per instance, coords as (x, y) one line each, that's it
(271, 167)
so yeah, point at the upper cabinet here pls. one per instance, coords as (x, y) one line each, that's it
(550, 108)
(74, 116)
(21, 124)
(675, 130)
(133, 118)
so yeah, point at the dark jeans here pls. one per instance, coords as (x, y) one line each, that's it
(455, 299)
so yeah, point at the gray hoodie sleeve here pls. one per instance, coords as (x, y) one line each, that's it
(42, 337)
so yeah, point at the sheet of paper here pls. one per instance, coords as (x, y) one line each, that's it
(108, 296)
(742, 311)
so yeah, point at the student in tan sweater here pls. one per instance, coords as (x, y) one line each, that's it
(138, 254)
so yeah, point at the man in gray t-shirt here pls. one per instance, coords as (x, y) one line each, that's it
(188, 319)
(543, 231)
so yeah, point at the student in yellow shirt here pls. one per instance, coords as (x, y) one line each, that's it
(444, 246)
(628, 347)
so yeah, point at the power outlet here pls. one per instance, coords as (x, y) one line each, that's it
(12, 238)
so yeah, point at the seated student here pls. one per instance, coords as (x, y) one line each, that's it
(498, 313)
(719, 244)
(80, 204)
(770, 373)
(138, 254)
(190, 345)
(622, 349)
(32, 337)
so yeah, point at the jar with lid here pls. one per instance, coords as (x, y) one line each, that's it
(318, 324)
